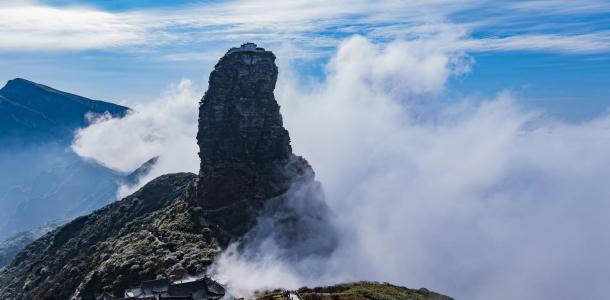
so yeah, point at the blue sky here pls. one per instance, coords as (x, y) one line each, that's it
(550, 54)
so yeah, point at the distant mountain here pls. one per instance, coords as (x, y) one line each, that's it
(49, 183)
(40, 113)
(134, 177)
(41, 179)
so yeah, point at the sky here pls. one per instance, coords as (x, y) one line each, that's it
(462, 146)
(550, 52)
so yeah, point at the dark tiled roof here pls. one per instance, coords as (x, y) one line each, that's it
(203, 288)
(155, 284)
(214, 288)
(187, 288)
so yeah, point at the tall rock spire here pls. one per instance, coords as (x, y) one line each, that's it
(239, 119)
(244, 149)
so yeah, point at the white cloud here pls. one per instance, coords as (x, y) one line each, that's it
(39, 27)
(166, 128)
(317, 26)
(582, 43)
(561, 7)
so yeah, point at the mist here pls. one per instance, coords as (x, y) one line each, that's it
(44, 183)
(473, 198)
(166, 127)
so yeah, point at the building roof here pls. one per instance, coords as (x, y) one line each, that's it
(246, 47)
(105, 296)
(202, 288)
(187, 288)
(133, 292)
(157, 283)
(214, 288)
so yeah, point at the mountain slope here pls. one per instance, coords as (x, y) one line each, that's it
(111, 247)
(16, 118)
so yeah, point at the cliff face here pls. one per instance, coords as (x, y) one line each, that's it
(245, 151)
(239, 118)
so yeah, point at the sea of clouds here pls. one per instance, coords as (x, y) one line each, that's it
(476, 198)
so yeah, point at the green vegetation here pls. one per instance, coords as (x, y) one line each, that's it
(150, 233)
(356, 291)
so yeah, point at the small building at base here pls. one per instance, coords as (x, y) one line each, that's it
(195, 289)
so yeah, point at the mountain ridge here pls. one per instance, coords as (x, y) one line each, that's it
(27, 107)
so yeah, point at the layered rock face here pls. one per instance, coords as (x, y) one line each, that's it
(245, 151)
(239, 118)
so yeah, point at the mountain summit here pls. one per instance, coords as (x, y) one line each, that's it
(29, 108)
(241, 137)
(245, 152)
(239, 118)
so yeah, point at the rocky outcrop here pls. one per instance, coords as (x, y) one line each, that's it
(245, 152)
(239, 118)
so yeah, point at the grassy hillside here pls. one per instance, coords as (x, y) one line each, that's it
(356, 291)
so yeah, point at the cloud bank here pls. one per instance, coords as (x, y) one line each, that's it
(476, 199)
(167, 128)
(32, 26)
(172, 32)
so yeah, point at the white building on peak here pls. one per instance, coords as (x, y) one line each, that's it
(246, 47)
